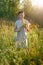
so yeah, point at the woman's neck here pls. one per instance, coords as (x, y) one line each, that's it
(22, 19)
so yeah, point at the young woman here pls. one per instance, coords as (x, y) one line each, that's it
(21, 26)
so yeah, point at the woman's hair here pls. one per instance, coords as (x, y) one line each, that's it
(20, 12)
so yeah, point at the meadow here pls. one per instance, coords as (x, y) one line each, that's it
(9, 55)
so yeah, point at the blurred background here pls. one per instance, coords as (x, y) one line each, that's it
(32, 8)
(9, 55)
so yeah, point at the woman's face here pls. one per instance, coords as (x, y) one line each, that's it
(21, 15)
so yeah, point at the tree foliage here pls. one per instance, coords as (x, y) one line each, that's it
(8, 8)
(27, 7)
(33, 13)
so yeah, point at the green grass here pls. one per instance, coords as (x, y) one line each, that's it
(9, 55)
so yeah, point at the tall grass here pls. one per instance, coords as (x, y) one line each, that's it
(8, 53)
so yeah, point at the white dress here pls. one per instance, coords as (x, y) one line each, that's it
(21, 38)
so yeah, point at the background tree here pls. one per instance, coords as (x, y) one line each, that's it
(27, 7)
(8, 8)
(34, 13)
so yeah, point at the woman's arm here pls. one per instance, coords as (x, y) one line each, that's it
(27, 26)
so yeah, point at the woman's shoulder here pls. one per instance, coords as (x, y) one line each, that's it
(17, 21)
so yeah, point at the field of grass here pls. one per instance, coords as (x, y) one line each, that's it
(9, 55)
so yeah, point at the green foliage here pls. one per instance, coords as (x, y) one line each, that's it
(9, 55)
(27, 8)
(8, 8)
